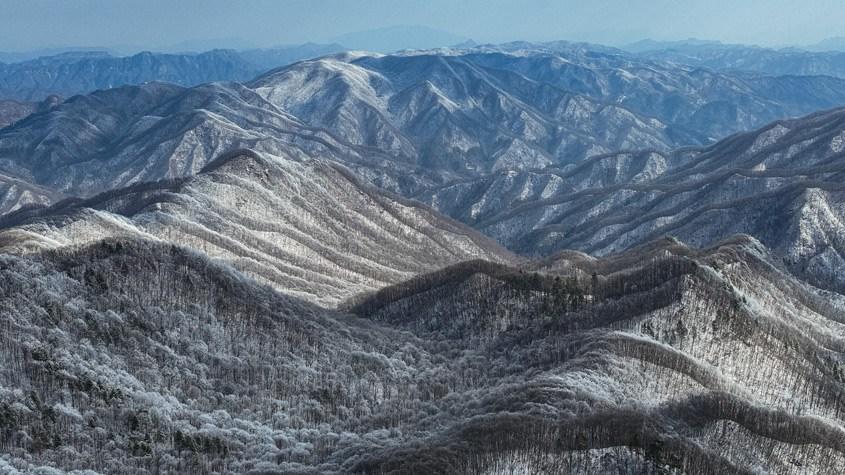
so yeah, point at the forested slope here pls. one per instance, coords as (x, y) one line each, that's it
(310, 229)
(781, 183)
(669, 361)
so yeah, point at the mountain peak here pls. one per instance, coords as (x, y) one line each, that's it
(236, 159)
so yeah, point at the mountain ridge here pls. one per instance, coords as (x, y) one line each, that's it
(779, 183)
(527, 384)
(458, 115)
(72, 73)
(308, 228)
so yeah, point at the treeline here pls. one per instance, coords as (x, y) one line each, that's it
(623, 441)
(468, 297)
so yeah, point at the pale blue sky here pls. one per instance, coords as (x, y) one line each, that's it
(30, 24)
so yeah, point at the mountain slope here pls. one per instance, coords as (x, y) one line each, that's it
(132, 134)
(669, 360)
(444, 112)
(527, 106)
(13, 111)
(71, 74)
(713, 104)
(307, 228)
(80, 72)
(264, 312)
(16, 193)
(140, 133)
(664, 345)
(405, 122)
(781, 184)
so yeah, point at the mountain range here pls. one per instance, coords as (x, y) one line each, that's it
(403, 122)
(79, 72)
(781, 183)
(759, 60)
(520, 258)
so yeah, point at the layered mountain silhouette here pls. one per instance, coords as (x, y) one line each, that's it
(403, 122)
(78, 72)
(751, 59)
(261, 277)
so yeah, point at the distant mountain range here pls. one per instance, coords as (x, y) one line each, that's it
(836, 43)
(757, 60)
(80, 71)
(72, 73)
(794, 61)
(22, 56)
(404, 122)
(397, 38)
(833, 44)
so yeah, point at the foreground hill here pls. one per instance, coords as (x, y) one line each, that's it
(781, 184)
(662, 360)
(309, 229)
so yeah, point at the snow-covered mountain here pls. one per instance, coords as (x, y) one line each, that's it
(76, 73)
(531, 107)
(17, 193)
(711, 104)
(219, 279)
(664, 360)
(139, 133)
(404, 122)
(133, 134)
(751, 58)
(447, 112)
(309, 229)
(80, 72)
(781, 184)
